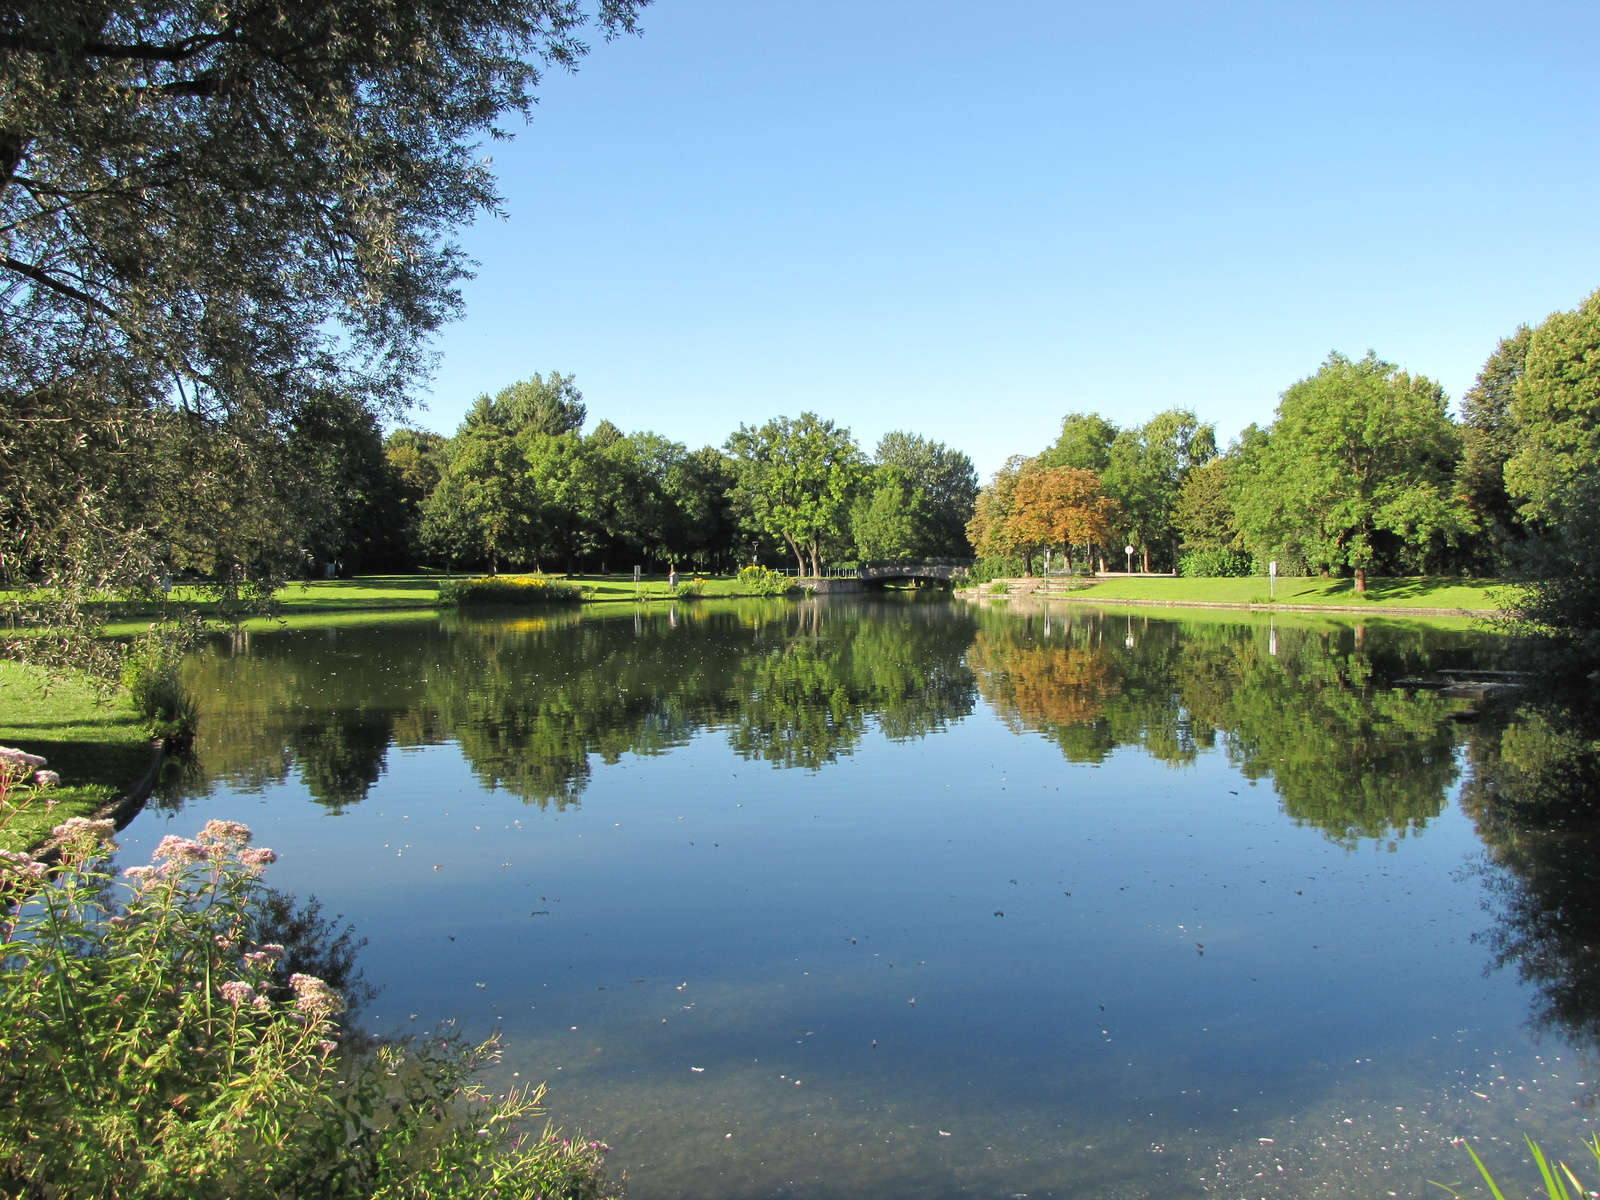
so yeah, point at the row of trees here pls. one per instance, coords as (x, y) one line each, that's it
(521, 484)
(1096, 485)
(1364, 469)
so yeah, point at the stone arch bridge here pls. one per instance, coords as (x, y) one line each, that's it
(871, 576)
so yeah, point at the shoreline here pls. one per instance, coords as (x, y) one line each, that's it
(1268, 607)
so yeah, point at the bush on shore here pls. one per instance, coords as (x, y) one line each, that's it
(994, 567)
(157, 1047)
(1215, 564)
(508, 589)
(155, 686)
(764, 581)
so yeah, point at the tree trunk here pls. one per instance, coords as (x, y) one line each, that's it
(1144, 558)
(1361, 580)
(1027, 563)
(799, 556)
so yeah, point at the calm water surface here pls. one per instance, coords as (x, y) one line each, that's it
(902, 899)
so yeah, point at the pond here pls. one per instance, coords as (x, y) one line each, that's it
(915, 898)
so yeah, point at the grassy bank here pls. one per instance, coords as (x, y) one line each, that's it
(97, 748)
(377, 593)
(1449, 594)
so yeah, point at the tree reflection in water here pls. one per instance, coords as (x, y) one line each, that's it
(1533, 789)
(534, 702)
(1309, 708)
(1305, 706)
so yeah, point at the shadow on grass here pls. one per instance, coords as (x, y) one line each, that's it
(1412, 588)
(85, 763)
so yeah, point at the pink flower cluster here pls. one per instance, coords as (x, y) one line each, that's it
(80, 834)
(263, 958)
(47, 779)
(178, 850)
(16, 764)
(236, 992)
(225, 833)
(314, 997)
(19, 867)
(214, 843)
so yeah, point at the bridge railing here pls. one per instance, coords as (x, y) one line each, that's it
(880, 566)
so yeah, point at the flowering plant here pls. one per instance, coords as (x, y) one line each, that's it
(153, 1044)
(763, 581)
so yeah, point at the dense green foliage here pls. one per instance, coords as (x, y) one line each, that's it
(520, 484)
(757, 580)
(1214, 563)
(165, 1040)
(1357, 471)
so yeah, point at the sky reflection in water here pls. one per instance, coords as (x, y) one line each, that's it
(939, 900)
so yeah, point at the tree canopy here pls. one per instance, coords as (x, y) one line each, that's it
(795, 479)
(1360, 461)
(214, 218)
(948, 483)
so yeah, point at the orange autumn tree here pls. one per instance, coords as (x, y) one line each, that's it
(990, 530)
(1060, 506)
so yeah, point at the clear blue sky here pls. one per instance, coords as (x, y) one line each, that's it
(967, 219)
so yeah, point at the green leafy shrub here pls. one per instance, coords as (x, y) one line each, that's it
(1215, 564)
(764, 581)
(158, 1047)
(151, 673)
(999, 588)
(994, 567)
(690, 589)
(1291, 564)
(508, 589)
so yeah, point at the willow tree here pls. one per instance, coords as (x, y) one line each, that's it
(210, 216)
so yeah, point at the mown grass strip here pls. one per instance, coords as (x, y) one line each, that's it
(98, 747)
(1445, 593)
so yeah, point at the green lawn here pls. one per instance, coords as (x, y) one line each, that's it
(366, 593)
(97, 748)
(1449, 593)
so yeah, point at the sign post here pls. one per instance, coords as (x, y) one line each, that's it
(1129, 550)
(636, 583)
(1272, 576)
